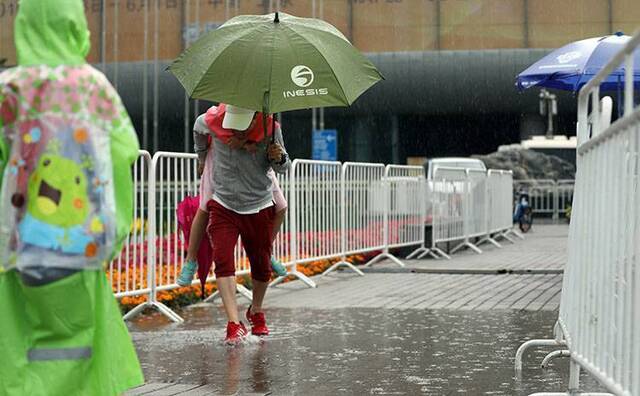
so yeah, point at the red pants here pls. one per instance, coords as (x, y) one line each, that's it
(255, 230)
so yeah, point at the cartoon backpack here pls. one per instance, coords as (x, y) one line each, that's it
(56, 194)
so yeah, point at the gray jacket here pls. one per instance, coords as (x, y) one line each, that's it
(239, 177)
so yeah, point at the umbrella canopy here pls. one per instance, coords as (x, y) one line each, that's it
(572, 66)
(274, 63)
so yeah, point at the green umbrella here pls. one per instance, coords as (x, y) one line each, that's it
(274, 63)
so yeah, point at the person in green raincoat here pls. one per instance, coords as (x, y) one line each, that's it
(66, 202)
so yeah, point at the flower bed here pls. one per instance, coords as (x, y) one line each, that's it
(129, 271)
(183, 296)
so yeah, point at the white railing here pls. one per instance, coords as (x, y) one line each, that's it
(362, 211)
(600, 305)
(176, 177)
(474, 208)
(547, 198)
(406, 213)
(335, 211)
(315, 203)
(128, 271)
(564, 196)
(448, 195)
(499, 218)
(403, 199)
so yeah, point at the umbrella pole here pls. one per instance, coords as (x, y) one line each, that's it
(265, 120)
(273, 128)
(264, 124)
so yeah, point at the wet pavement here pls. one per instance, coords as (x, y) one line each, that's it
(354, 351)
(434, 328)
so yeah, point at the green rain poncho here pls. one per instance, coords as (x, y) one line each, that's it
(66, 149)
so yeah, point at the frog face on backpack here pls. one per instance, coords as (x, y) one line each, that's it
(58, 192)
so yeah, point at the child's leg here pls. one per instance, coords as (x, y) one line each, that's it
(190, 266)
(198, 228)
(281, 211)
(278, 219)
(277, 223)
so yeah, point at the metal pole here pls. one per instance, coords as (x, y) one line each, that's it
(185, 28)
(293, 216)
(156, 70)
(556, 204)
(145, 83)
(151, 231)
(196, 109)
(574, 376)
(314, 113)
(322, 108)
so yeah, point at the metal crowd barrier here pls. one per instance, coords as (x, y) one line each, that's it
(362, 211)
(315, 214)
(600, 304)
(475, 209)
(403, 201)
(448, 195)
(128, 271)
(335, 211)
(548, 198)
(500, 219)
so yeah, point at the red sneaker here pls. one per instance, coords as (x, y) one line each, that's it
(236, 332)
(258, 323)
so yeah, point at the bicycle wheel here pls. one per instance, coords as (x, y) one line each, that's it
(526, 220)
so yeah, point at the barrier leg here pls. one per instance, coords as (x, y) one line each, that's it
(212, 296)
(514, 232)
(429, 252)
(163, 309)
(531, 343)
(468, 244)
(489, 238)
(574, 384)
(417, 252)
(558, 353)
(571, 394)
(382, 256)
(505, 235)
(343, 263)
(574, 376)
(305, 279)
(246, 293)
(440, 252)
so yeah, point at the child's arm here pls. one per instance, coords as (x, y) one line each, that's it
(200, 138)
(282, 163)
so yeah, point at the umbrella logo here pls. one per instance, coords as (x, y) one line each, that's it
(302, 76)
(568, 57)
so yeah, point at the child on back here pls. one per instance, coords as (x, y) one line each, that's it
(201, 219)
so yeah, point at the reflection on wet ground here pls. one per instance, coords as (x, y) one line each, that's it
(354, 351)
